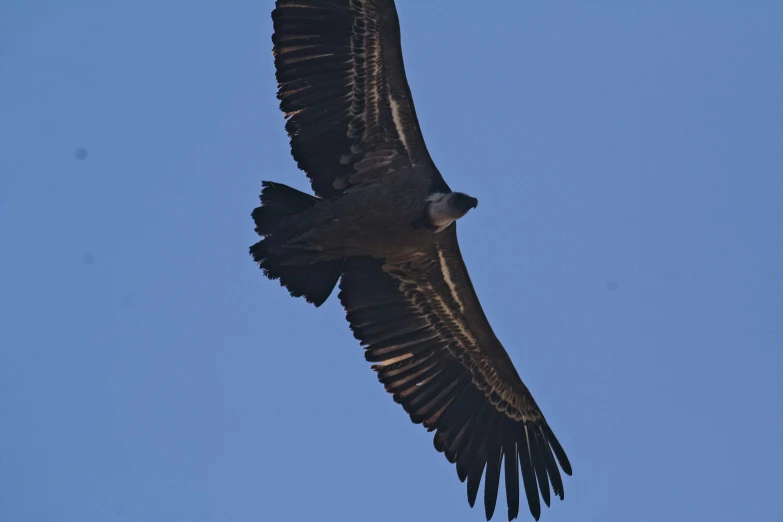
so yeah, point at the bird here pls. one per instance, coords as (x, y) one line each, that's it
(382, 225)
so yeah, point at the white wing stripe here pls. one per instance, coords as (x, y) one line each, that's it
(444, 269)
(395, 110)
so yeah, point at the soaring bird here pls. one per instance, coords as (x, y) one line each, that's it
(382, 223)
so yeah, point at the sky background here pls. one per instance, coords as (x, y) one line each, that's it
(628, 251)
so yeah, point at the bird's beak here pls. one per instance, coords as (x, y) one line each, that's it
(474, 203)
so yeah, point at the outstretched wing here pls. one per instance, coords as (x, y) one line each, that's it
(342, 86)
(434, 350)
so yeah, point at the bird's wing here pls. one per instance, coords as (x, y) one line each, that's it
(342, 87)
(434, 350)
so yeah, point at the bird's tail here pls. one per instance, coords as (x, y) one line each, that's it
(314, 281)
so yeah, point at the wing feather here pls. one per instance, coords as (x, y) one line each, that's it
(528, 473)
(492, 475)
(421, 324)
(511, 460)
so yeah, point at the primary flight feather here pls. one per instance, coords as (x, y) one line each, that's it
(383, 224)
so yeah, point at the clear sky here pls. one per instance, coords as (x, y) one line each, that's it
(628, 251)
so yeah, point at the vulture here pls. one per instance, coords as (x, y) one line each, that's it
(382, 225)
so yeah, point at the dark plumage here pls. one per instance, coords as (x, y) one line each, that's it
(383, 224)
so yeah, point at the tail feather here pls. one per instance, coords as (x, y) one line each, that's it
(277, 202)
(314, 281)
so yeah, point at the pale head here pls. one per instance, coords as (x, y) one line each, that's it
(445, 208)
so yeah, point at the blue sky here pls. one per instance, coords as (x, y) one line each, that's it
(627, 250)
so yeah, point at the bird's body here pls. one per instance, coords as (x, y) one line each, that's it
(348, 226)
(383, 225)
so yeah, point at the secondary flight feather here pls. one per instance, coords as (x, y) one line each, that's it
(382, 224)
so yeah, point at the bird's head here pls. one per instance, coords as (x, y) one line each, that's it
(461, 202)
(445, 208)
